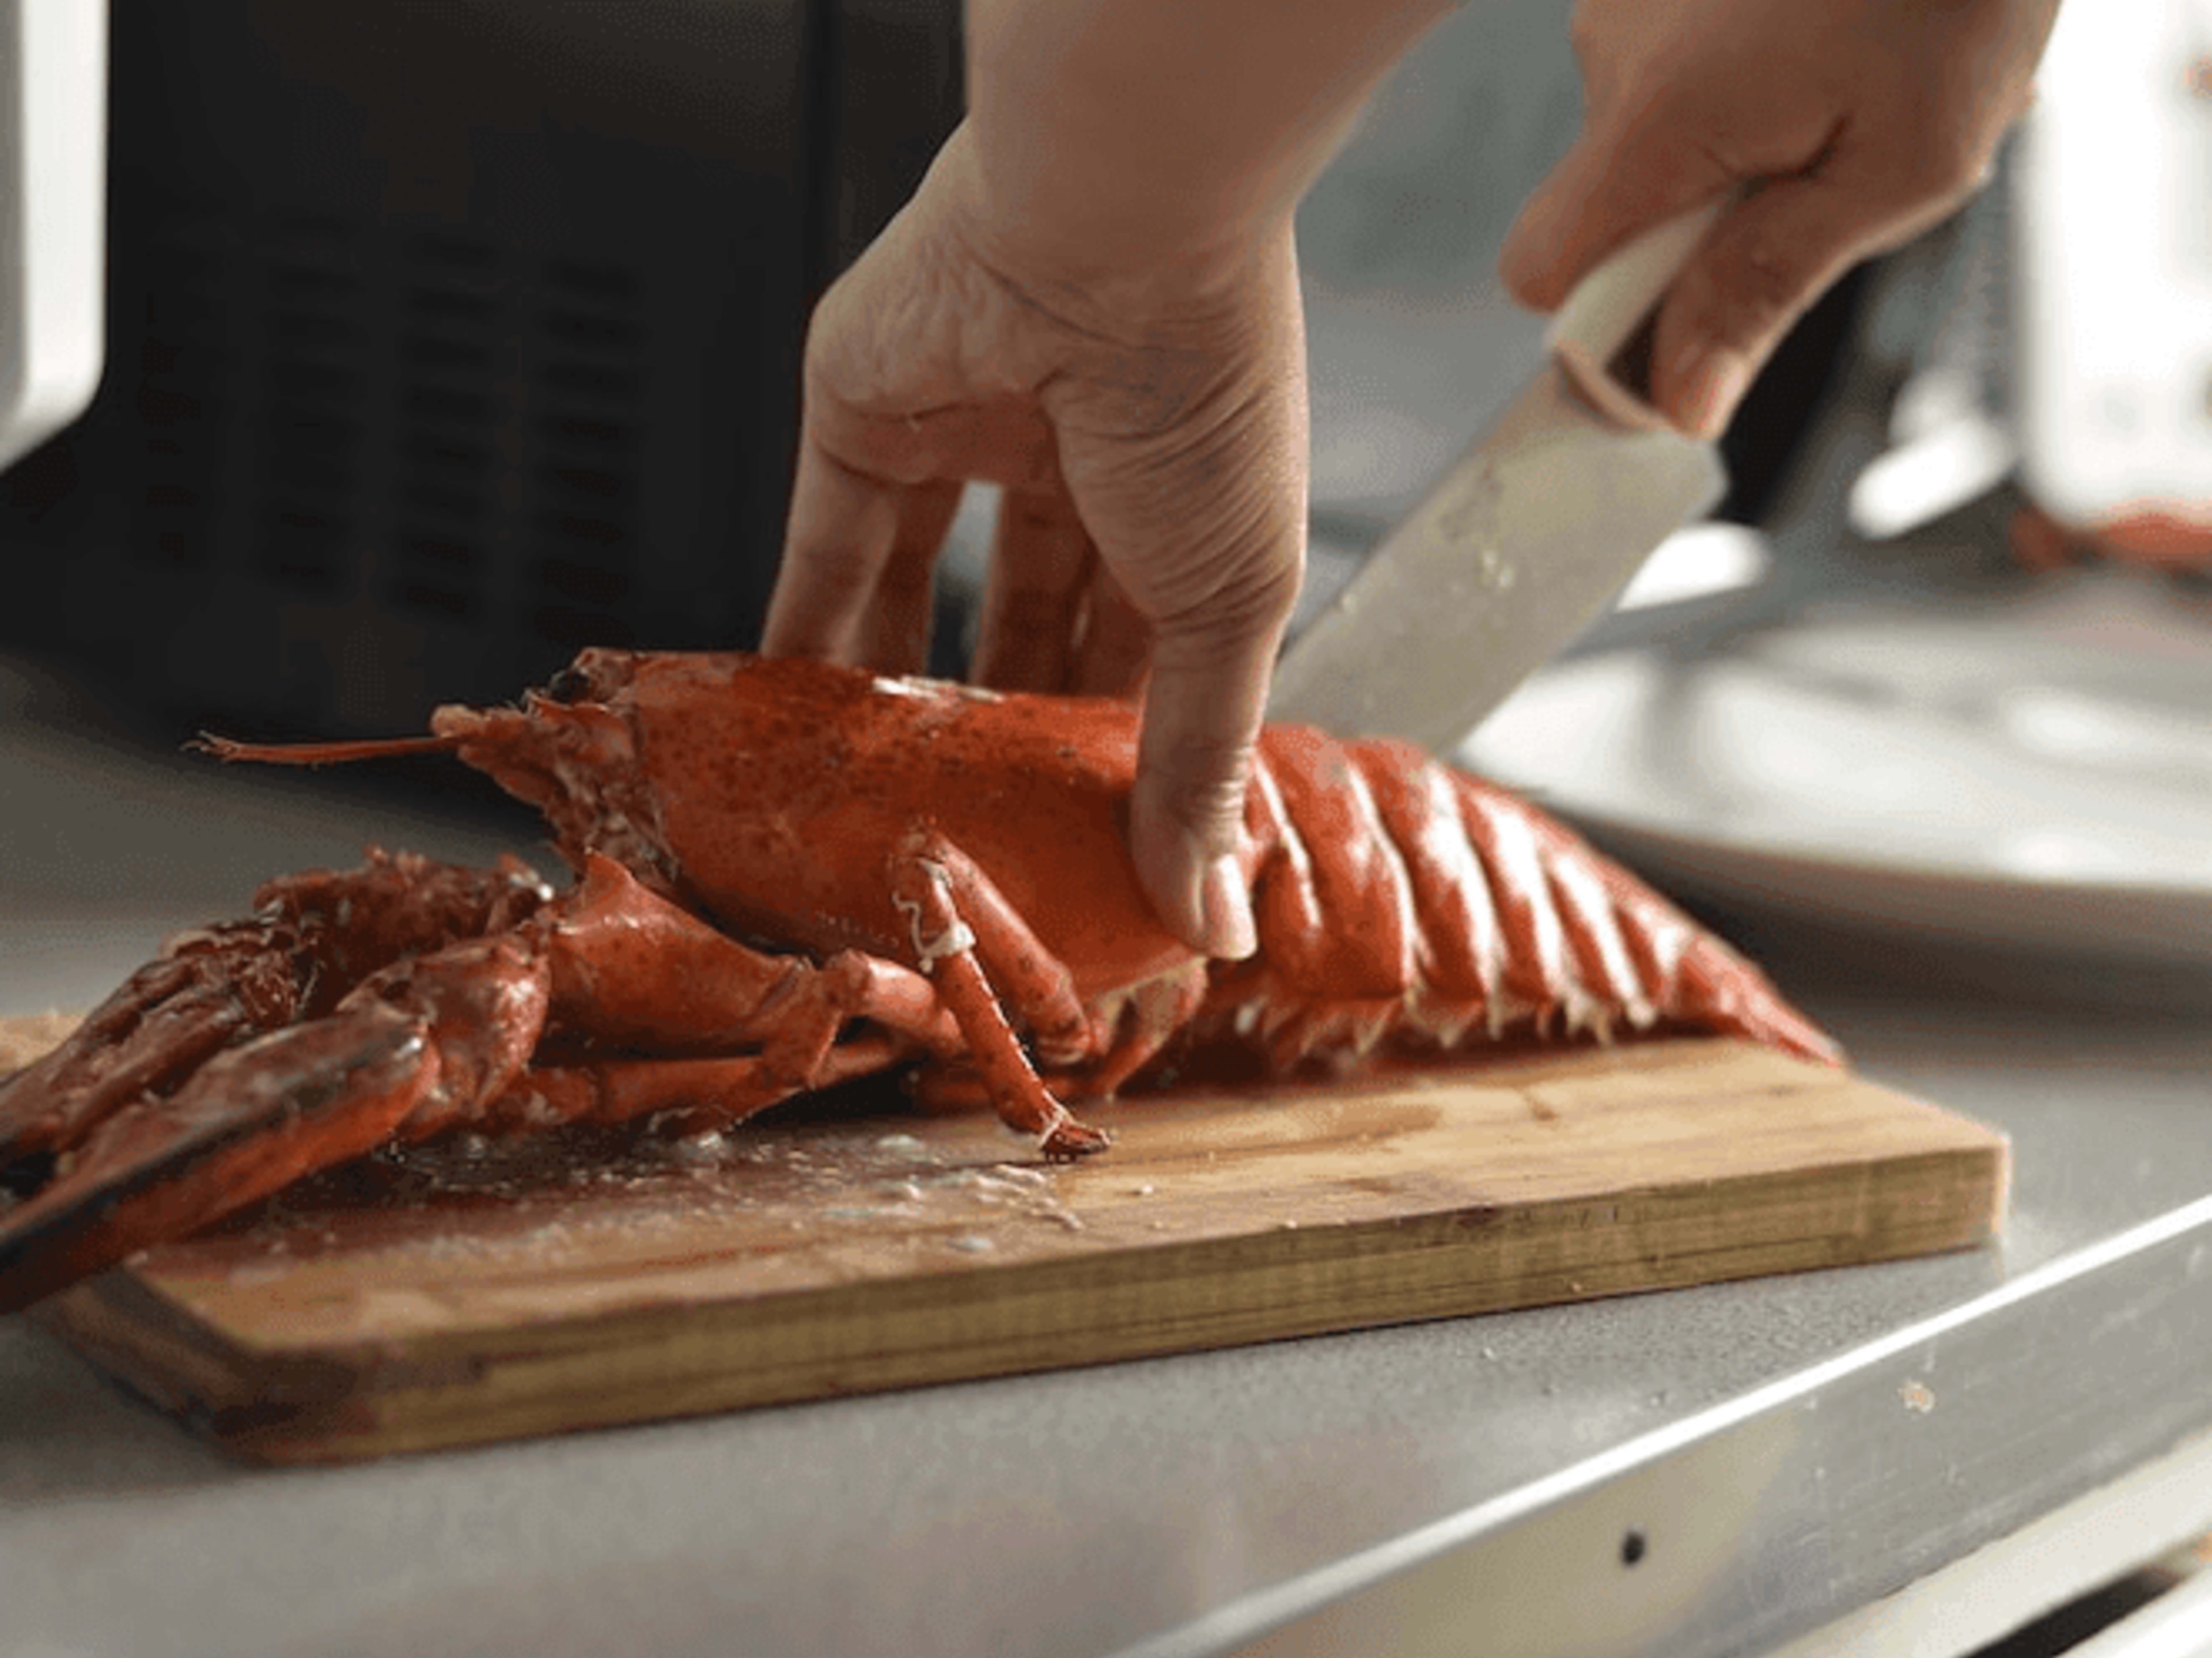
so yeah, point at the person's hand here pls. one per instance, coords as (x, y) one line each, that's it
(1148, 428)
(1848, 125)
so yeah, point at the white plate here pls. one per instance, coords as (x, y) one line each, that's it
(2033, 773)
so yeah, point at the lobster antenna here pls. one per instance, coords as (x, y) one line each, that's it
(320, 754)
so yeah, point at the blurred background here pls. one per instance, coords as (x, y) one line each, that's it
(445, 336)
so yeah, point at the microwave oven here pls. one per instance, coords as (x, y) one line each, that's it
(445, 337)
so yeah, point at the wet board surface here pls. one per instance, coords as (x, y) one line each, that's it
(474, 1291)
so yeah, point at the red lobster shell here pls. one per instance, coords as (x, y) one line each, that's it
(791, 874)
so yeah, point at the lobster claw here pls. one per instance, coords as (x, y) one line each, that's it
(408, 1051)
(252, 1119)
(253, 1052)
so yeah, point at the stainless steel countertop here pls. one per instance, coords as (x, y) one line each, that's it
(1170, 1506)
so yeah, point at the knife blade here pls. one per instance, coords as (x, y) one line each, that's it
(1525, 538)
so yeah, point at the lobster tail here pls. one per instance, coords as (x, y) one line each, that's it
(1400, 900)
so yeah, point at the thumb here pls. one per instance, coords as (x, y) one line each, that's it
(1203, 705)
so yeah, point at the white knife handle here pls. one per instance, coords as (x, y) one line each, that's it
(1597, 332)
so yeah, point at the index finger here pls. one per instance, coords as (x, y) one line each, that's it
(1613, 182)
(836, 542)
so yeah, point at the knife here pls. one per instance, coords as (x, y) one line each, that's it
(1526, 539)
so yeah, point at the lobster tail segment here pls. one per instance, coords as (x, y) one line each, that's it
(1635, 956)
(1716, 990)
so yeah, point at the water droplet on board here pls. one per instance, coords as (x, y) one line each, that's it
(709, 1145)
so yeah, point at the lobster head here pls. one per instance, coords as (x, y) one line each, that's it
(769, 793)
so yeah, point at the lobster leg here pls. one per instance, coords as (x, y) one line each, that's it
(1156, 1011)
(629, 966)
(1143, 1022)
(717, 1091)
(955, 914)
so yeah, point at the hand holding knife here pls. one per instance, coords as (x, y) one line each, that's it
(1528, 536)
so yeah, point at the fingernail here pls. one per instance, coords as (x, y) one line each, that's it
(1226, 902)
(1712, 382)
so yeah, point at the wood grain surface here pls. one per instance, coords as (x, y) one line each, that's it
(475, 1290)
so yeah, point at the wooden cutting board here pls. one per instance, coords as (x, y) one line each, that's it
(478, 1290)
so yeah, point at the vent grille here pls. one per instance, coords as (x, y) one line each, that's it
(428, 423)
(314, 387)
(590, 329)
(184, 404)
(452, 366)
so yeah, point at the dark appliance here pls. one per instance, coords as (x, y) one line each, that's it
(447, 336)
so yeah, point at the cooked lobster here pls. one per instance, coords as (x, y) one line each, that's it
(791, 874)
